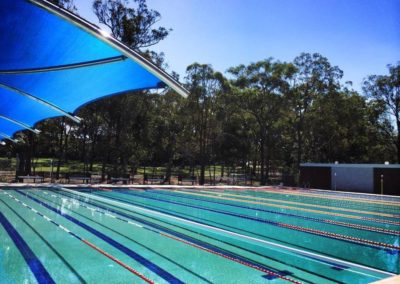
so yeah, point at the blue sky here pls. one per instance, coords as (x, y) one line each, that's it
(359, 36)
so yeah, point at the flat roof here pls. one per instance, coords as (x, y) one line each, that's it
(330, 165)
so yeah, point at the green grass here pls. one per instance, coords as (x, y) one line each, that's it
(44, 165)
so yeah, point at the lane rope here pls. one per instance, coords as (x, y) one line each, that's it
(311, 255)
(235, 259)
(348, 216)
(375, 244)
(395, 216)
(307, 193)
(327, 221)
(351, 197)
(127, 267)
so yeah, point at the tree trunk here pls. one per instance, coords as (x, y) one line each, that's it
(254, 170)
(398, 139)
(24, 156)
(209, 174)
(24, 163)
(299, 146)
(65, 147)
(202, 159)
(168, 170)
(103, 170)
(202, 173)
(214, 174)
(262, 162)
(60, 149)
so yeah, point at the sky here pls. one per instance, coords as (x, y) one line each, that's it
(360, 36)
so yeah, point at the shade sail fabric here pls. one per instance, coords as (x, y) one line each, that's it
(53, 62)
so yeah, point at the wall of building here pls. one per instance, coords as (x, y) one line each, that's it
(391, 180)
(351, 177)
(315, 177)
(357, 179)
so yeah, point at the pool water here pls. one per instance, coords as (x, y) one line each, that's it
(158, 235)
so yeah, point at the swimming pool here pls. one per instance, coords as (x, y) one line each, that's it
(203, 235)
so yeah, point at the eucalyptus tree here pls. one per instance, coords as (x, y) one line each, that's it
(385, 89)
(166, 129)
(233, 143)
(314, 77)
(134, 26)
(66, 4)
(123, 121)
(337, 128)
(204, 84)
(380, 133)
(259, 89)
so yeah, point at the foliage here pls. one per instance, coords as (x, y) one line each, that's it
(385, 91)
(66, 4)
(133, 26)
(268, 117)
(259, 90)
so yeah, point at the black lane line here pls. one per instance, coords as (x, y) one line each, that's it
(48, 244)
(84, 200)
(136, 242)
(333, 265)
(327, 203)
(194, 240)
(273, 223)
(145, 262)
(208, 222)
(35, 265)
(204, 222)
(314, 219)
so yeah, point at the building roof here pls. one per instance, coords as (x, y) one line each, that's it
(53, 62)
(351, 165)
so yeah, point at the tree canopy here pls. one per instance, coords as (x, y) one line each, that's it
(265, 117)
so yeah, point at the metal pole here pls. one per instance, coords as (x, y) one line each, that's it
(17, 161)
(334, 176)
(51, 172)
(381, 184)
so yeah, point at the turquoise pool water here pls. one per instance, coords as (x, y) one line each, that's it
(88, 235)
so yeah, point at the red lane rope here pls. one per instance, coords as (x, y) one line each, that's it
(340, 237)
(316, 232)
(346, 224)
(357, 217)
(86, 242)
(234, 259)
(103, 189)
(363, 227)
(127, 267)
(193, 245)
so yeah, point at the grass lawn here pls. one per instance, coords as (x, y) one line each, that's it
(40, 165)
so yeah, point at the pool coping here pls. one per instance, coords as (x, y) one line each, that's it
(390, 280)
(222, 187)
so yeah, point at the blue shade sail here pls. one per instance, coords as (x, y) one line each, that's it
(52, 63)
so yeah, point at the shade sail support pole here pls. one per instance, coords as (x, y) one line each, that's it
(19, 123)
(64, 67)
(41, 101)
(5, 136)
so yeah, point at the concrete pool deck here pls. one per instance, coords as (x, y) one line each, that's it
(390, 280)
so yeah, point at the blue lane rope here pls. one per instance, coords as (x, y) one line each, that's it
(145, 262)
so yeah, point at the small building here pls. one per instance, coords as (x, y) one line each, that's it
(366, 178)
